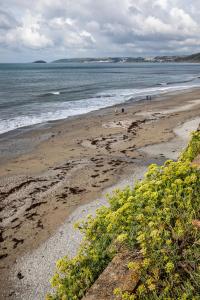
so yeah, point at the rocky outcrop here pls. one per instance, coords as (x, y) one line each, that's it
(116, 275)
(196, 161)
(39, 62)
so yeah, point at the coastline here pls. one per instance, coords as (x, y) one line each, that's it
(77, 160)
(27, 138)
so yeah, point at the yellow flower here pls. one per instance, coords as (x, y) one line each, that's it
(140, 217)
(144, 251)
(134, 265)
(141, 237)
(178, 181)
(141, 289)
(169, 267)
(168, 242)
(151, 224)
(146, 262)
(122, 237)
(152, 287)
(117, 292)
(154, 233)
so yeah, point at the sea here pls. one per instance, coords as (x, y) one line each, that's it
(38, 93)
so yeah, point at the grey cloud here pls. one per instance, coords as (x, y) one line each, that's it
(6, 21)
(101, 27)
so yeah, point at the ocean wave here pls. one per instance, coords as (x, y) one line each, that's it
(56, 93)
(126, 94)
(181, 81)
(162, 84)
(56, 111)
(178, 81)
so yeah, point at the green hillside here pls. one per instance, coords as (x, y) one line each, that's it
(190, 58)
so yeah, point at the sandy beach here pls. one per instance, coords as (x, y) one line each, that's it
(52, 175)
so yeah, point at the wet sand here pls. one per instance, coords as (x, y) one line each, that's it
(69, 163)
(38, 267)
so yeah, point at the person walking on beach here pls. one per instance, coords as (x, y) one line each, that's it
(148, 97)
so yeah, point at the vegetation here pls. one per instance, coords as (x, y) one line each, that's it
(193, 148)
(156, 219)
(195, 58)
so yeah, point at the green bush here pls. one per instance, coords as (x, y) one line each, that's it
(155, 217)
(193, 148)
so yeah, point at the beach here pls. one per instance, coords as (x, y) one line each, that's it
(52, 175)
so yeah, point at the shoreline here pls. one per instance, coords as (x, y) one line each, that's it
(40, 189)
(140, 95)
(25, 133)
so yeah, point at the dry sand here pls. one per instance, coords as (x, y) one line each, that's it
(65, 166)
(172, 148)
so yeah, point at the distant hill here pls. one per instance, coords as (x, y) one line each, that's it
(39, 62)
(194, 58)
(168, 58)
(190, 58)
(101, 60)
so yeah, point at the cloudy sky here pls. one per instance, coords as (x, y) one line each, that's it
(52, 29)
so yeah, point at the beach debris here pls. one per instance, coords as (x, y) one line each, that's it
(134, 125)
(118, 124)
(20, 276)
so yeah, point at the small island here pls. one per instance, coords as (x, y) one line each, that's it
(39, 62)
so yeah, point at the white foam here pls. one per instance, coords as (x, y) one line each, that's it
(55, 93)
(127, 94)
(57, 111)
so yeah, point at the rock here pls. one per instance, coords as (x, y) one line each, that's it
(39, 62)
(196, 161)
(116, 275)
(19, 275)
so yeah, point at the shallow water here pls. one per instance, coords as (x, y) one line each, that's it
(36, 93)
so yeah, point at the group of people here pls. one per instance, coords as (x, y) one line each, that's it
(148, 97)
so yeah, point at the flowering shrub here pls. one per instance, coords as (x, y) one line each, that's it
(193, 148)
(155, 217)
